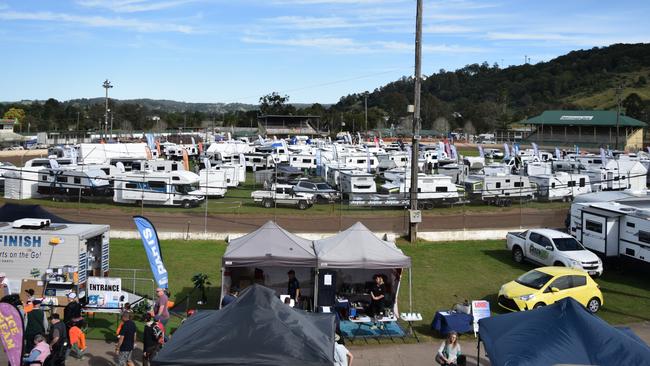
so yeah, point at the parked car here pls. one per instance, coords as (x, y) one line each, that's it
(282, 194)
(546, 285)
(552, 248)
(322, 192)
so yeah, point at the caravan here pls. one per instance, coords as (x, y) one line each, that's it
(561, 186)
(356, 181)
(74, 181)
(179, 188)
(499, 189)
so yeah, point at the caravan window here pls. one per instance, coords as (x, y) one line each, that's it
(594, 226)
(553, 185)
(157, 186)
(441, 189)
(306, 161)
(174, 167)
(131, 185)
(521, 184)
(498, 185)
(160, 168)
(582, 182)
(644, 236)
(45, 177)
(62, 179)
(77, 180)
(361, 161)
(572, 183)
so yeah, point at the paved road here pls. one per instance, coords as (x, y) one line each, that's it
(179, 221)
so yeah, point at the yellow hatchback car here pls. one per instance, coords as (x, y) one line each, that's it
(546, 285)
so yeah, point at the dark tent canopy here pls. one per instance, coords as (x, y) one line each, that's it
(256, 329)
(562, 333)
(11, 212)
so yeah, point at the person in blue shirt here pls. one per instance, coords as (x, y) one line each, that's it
(293, 287)
(230, 297)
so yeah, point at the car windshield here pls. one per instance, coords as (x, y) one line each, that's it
(567, 244)
(322, 186)
(534, 279)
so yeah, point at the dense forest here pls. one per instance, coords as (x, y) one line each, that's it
(476, 98)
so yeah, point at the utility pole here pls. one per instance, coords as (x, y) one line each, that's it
(106, 85)
(414, 216)
(619, 91)
(365, 105)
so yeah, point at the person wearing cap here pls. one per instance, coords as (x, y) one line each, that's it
(293, 286)
(342, 356)
(230, 297)
(58, 339)
(160, 307)
(72, 311)
(35, 323)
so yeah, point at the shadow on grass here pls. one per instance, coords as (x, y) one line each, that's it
(188, 297)
(634, 316)
(606, 290)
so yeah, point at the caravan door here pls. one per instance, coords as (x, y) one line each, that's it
(594, 232)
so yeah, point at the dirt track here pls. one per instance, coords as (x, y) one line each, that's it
(178, 222)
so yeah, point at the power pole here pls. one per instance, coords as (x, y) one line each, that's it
(106, 85)
(619, 91)
(365, 105)
(414, 215)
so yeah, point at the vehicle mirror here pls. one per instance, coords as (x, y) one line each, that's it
(555, 289)
(549, 247)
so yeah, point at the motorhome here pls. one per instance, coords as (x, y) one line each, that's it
(499, 189)
(77, 180)
(179, 188)
(356, 181)
(613, 229)
(561, 186)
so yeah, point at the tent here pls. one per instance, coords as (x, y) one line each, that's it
(358, 247)
(256, 329)
(10, 212)
(562, 333)
(264, 256)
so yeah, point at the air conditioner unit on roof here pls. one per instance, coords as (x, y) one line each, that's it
(31, 223)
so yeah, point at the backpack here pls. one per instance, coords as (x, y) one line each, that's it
(158, 333)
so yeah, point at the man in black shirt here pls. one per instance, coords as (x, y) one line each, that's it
(293, 286)
(126, 341)
(58, 339)
(72, 311)
(378, 294)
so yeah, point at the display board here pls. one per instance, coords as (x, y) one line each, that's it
(105, 294)
(480, 310)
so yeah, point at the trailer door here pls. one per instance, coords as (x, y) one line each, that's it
(594, 232)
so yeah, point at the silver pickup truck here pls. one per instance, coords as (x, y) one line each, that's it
(283, 194)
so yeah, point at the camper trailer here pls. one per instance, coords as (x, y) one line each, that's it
(360, 162)
(212, 182)
(180, 188)
(356, 181)
(561, 186)
(302, 161)
(334, 172)
(432, 189)
(58, 256)
(499, 189)
(74, 181)
(612, 229)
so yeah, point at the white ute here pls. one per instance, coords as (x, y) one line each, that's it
(283, 194)
(552, 248)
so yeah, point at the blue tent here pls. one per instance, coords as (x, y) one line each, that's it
(562, 333)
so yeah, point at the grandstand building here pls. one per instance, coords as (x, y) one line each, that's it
(590, 129)
(288, 125)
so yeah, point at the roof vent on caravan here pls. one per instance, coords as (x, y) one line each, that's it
(31, 223)
(627, 209)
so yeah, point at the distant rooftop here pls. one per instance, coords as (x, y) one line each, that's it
(583, 118)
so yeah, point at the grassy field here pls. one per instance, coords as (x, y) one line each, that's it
(443, 274)
(607, 99)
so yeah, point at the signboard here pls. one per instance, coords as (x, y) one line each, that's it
(11, 332)
(480, 310)
(415, 216)
(104, 294)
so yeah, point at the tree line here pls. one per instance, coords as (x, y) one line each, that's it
(475, 98)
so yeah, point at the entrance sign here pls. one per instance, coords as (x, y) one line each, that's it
(106, 293)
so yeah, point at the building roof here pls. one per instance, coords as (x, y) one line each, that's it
(583, 118)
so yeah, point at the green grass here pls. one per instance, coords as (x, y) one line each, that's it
(443, 274)
(606, 99)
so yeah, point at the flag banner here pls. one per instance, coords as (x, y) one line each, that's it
(368, 159)
(481, 153)
(151, 142)
(152, 248)
(11, 332)
(535, 149)
(454, 153)
(506, 151)
(603, 158)
(558, 155)
(319, 162)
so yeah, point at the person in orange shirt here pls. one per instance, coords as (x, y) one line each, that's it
(77, 341)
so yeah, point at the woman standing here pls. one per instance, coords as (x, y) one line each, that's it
(449, 352)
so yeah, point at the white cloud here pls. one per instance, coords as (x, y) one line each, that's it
(334, 22)
(133, 6)
(446, 29)
(98, 21)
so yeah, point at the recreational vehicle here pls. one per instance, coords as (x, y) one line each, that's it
(212, 182)
(75, 181)
(561, 186)
(499, 189)
(180, 188)
(356, 181)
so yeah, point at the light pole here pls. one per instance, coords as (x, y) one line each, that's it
(619, 91)
(106, 85)
(365, 105)
(413, 227)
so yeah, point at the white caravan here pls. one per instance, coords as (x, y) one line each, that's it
(302, 161)
(74, 180)
(430, 187)
(561, 186)
(499, 189)
(356, 181)
(180, 188)
(212, 182)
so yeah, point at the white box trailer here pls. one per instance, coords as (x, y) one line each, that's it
(356, 181)
(180, 188)
(22, 183)
(561, 186)
(31, 246)
(612, 229)
(212, 182)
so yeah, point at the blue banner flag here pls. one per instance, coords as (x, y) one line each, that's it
(152, 247)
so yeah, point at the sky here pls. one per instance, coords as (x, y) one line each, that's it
(311, 50)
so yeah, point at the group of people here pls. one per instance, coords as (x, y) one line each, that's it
(51, 342)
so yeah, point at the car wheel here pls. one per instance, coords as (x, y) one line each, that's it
(186, 204)
(518, 254)
(267, 203)
(593, 305)
(302, 205)
(539, 305)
